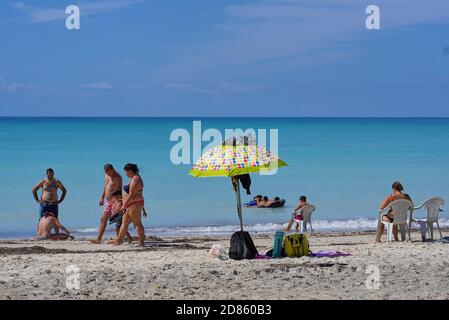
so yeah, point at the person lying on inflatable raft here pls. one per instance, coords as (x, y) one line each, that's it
(264, 202)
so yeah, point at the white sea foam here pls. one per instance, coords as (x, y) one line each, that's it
(86, 230)
(361, 224)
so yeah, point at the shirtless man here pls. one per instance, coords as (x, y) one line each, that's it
(49, 199)
(46, 223)
(112, 181)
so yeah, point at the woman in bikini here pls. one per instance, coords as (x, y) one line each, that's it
(396, 195)
(133, 205)
(117, 213)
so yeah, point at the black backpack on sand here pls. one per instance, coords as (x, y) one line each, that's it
(242, 246)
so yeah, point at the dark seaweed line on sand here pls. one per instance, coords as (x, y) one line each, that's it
(43, 250)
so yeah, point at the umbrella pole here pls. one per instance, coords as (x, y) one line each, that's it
(239, 204)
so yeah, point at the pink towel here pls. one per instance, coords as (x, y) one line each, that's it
(262, 256)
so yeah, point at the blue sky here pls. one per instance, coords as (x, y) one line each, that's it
(224, 58)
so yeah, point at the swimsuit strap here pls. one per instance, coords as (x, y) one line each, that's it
(126, 187)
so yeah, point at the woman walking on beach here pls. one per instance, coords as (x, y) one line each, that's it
(133, 205)
(396, 195)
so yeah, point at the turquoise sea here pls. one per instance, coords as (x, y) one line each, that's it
(344, 166)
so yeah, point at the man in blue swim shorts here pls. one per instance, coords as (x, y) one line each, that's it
(49, 202)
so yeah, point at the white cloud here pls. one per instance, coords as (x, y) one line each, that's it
(10, 86)
(40, 14)
(101, 85)
(234, 87)
(270, 36)
(189, 88)
(224, 87)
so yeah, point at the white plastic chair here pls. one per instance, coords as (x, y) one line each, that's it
(307, 218)
(399, 208)
(433, 207)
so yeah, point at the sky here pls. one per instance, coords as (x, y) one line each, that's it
(266, 58)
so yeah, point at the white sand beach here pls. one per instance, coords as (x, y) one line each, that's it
(181, 268)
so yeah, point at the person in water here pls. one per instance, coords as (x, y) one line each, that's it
(256, 200)
(49, 202)
(297, 214)
(117, 214)
(266, 202)
(46, 223)
(133, 205)
(262, 203)
(397, 194)
(112, 181)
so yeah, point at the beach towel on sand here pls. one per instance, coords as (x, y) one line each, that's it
(329, 254)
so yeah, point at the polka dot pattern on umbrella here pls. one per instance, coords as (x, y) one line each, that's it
(239, 159)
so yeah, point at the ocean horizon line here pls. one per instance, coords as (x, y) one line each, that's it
(227, 117)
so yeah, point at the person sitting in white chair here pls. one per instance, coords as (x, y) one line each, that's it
(297, 214)
(389, 216)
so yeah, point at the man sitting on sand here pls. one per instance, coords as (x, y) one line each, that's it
(112, 181)
(46, 223)
(117, 213)
(297, 216)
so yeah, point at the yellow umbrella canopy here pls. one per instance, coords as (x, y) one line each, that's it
(233, 159)
(229, 161)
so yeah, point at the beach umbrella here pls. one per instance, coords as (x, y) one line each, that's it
(235, 157)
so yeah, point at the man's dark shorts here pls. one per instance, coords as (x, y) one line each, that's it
(117, 219)
(48, 207)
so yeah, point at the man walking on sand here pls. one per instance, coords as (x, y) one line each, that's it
(112, 182)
